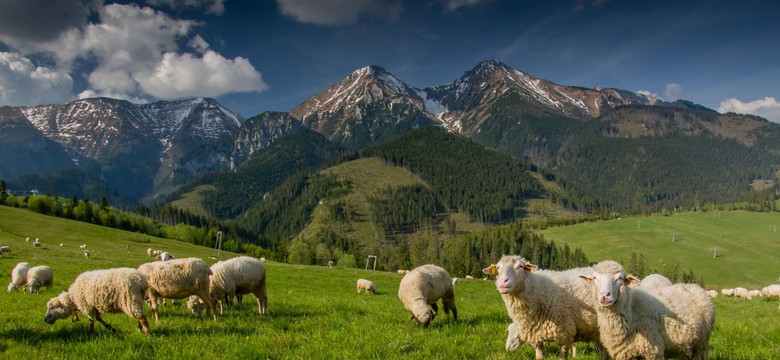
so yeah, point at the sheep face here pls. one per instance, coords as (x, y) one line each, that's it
(12, 287)
(422, 316)
(196, 305)
(59, 307)
(510, 273)
(609, 278)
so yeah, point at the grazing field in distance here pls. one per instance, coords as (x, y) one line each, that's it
(313, 312)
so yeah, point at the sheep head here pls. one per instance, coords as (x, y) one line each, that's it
(422, 315)
(60, 307)
(609, 280)
(196, 305)
(510, 273)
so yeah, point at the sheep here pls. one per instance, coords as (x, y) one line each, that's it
(177, 279)
(61, 244)
(740, 292)
(38, 277)
(546, 305)
(37, 243)
(401, 272)
(5, 249)
(454, 281)
(234, 277)
(102, 291)
(512, 338)
(755, 293)
(712, 293)
(666, 322)
(421, 288)
(86, 254)
(367, 285)
(83, 246)
(330, 263)
(727, 292)
(262, 259)
(27, 239)
(469, 277)
(164, 256)
(654, 281)
(18, 276)
(771, 290)
(149, 251)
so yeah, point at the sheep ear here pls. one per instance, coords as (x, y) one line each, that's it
(530, 267)
(586, 278)
(490, 270)
(632, 280)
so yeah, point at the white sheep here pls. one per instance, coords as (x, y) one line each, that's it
(164, 256)
(771, 290)
(27, 239)
(5, 249)
(38, 277)
(18, 276)
(712, 293)
(37, 243)
(83, 246)
(454, 281)
(666, 322)
(262, 259)
(330, 263)
(177, 279)
(654, 281)
(102, 291)
(401, 272)
(86, 254)
(149, 251)
(421, 288)
(546, 305)
(512, 338)
(232, 278)
(366, 285)
(755, 293)
(469, 277)
(740, 292)
(727, 292)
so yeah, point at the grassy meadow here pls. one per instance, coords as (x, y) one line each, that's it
(313, 312)
(747, 243)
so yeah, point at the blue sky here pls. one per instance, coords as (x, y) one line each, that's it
(255, 56)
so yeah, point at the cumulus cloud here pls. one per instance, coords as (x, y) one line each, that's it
(23, 83)
(216, 7)
(338, 12)
(767, 107)
(133, 53)
(674, 92)
(24, 23)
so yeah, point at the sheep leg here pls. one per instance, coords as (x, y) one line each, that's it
(143, 325)
(539, 351)
(100, 319)
(153, 304)
(449, 305)
(574, 350)
(262, 299)
(564, 355)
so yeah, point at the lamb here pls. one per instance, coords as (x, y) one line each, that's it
(654, 281)
(177, 279)
(234, 277)
(5, 249)
(367, 285)
(38, 277)
(421, 288)
(771, 290)
(18, 276)
(667, 322)
(164, 256)
(98, 292)
(546, 305)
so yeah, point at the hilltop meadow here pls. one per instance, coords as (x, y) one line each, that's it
(313, 311)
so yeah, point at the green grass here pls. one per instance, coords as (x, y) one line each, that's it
(314, 312)
(748, 246)
(193, 200)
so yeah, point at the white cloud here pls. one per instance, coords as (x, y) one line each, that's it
(674, 92)
(183, 75)
(25, 23)
(453, 5)
(133, 53)
(338, 12)
(23, 83)
(216, 7)
(647, 93)
(767, 107)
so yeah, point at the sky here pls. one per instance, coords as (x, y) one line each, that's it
(270, 55)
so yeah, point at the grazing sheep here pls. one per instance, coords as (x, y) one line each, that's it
(771, 290)
(330, 263)
(18, 276)
(740, 292)
(149, 251)
(421, 288)
(164, 256)
(102, 291)
(546, 305)
(367, 285)
(402, 272)
(667, 322)
(469, 277)
(512, 338)
(27, 239)
(454, 281)
(755, 293)
(727, 292)
(38, 277)
(37, 243)
(83, 246)
(86, 254)
(233, 278)
(262, 259)
(654, 281)
(177, 279)
(5, 249)
(156, 252)
(712, 293)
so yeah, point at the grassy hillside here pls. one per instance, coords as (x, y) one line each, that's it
(314, 312)
(747, 243)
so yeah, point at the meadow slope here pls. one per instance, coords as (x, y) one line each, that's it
(314, 312)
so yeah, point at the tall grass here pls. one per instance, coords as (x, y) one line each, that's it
(313, 312)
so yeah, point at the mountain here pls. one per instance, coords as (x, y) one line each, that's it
(368, 106)
(142, 149)
(259, 132)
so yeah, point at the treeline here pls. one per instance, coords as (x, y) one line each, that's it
(637, 265)
(404, 209)
(465, 176)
